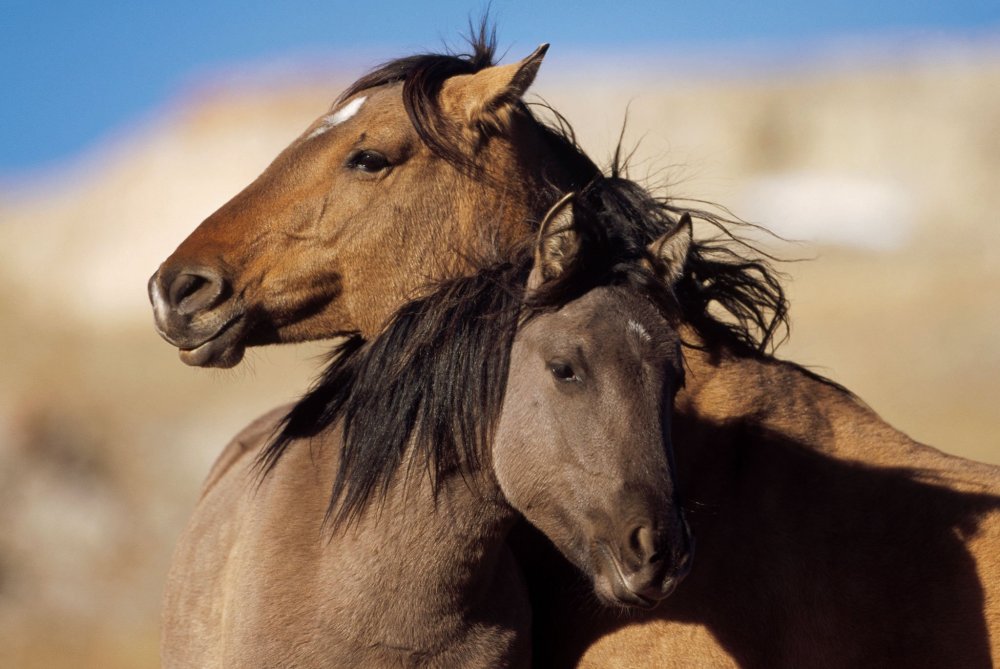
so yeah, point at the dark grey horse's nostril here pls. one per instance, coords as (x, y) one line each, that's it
(642, 544)
(193, 290)
(635, 541)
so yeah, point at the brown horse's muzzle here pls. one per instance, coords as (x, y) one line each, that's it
(194, 309)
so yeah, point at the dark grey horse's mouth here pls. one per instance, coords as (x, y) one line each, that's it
(620, 591)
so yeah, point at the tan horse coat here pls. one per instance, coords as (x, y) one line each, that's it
(257, 580)
(826, 537)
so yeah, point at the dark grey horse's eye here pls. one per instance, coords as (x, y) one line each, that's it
(562, 371)
(368, 161)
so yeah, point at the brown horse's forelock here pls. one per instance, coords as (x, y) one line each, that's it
(423, 76)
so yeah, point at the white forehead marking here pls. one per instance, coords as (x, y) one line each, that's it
(637, 328)
(339, 116)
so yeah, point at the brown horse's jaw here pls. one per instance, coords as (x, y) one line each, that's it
(206, 356)
(224, 350)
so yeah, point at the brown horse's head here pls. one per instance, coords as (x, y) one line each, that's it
(376, 198)
(582, 447)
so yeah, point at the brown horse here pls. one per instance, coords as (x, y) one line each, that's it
(430, 461)
(826, 537)
(349, 190)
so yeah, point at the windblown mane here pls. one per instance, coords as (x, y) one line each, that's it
(725, 274)
(434, 378)
(722, 275)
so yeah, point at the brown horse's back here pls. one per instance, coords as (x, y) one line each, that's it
(825, 539)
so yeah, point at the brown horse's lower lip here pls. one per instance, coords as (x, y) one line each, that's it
(224, 349)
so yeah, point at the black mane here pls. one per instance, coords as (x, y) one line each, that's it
(725, 274)
(722, 274)
(434, 378)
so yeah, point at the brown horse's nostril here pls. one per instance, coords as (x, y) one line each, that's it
(196, 290)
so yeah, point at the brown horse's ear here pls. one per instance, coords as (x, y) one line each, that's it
(487, 98)
(671, 249)
(557, 243)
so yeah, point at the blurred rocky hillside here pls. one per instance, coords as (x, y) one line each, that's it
(889, 174)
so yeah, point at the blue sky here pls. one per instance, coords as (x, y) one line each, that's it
(73, 72)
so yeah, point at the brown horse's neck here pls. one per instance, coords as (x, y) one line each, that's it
(260, 581)
(524, 174)
(838, 532)
(495, 210)
(457, 540)
(768, 396)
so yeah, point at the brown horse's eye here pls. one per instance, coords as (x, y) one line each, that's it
(368, 161)
(562, 371)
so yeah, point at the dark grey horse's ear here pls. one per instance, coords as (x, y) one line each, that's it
(488, 97)
(672, 249)
(557, 243)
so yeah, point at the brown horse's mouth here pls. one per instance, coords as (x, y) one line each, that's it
(223, 349)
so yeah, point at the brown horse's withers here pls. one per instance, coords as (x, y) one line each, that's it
(826, 537)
